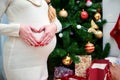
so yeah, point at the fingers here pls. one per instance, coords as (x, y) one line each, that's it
(42, 28)
(46, 39)
(27, 36)
(28, 43)
(49, 33)
(34, 29)
(115, 71)
(43, 39)
(32, 39)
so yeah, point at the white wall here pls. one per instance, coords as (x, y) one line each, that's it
(111, 10)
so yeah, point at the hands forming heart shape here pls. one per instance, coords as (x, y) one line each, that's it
(34, 37)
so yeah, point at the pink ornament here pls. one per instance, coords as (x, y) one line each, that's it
(88, 3)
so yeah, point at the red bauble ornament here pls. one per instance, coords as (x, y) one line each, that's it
(84, 14)
(89, 47)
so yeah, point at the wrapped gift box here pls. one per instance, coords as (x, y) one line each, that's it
(61, 72)
(81, 67)
(99, 70)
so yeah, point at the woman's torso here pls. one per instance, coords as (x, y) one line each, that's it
(19, 54)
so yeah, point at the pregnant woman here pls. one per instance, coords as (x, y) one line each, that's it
(31, 38)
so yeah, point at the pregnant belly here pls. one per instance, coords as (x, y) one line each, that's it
(22, 55)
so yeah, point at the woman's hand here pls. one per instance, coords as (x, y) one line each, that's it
(115, 72)
(49, 33)
(26, 34)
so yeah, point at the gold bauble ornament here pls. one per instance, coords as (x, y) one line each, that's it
(93, 25)
(98, 34)
(63, 13)
(67, 60)
(89, 47)
(97, 16)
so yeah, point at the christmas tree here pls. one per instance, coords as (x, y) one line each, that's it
(82, 25)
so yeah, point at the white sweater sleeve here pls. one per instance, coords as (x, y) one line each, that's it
(7, 29)
(58, 24)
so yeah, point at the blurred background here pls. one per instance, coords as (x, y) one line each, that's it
(2, 39)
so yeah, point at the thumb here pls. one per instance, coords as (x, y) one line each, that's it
(34, 29)
(42, 28)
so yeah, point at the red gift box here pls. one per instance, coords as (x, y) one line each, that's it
(73, 78)
(99, 70)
